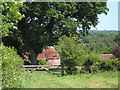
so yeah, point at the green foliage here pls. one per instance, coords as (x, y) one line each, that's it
(70, 53)
(110, 65)
(42, 62)
(101, 42)
(27, 62)
(10, 16)
(91, 59)
(71, 70)
(11, 68)
(57, 48)
(117, 39)
(93, 63)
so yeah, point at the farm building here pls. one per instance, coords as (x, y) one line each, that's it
(50, 55)
(106, 56)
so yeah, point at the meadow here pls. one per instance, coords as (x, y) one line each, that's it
(108, 79)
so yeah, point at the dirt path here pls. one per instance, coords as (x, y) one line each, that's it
(96, 85)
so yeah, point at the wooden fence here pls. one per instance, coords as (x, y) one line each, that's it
(45, 68)
(33, 68)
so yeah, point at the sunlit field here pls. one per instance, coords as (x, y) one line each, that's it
(45, 80)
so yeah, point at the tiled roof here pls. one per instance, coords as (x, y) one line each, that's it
(49, 53)
(42, 55)
(106, 56)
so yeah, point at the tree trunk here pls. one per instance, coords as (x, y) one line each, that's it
(69, 71)
(62, 69)
(33, 57)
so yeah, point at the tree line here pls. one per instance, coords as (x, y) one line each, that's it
(101, 42)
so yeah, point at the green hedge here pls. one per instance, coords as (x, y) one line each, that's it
(11, 68)
(90, 63)
(93, 63)
(110, 65)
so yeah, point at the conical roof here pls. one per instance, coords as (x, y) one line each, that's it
(42, 55)
(51, 53)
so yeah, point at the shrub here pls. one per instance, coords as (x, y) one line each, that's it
(11, 68)
(42, 62)
(116, 63)
(72, 70)
(116, 52)
(106, 65)
(91, 63)
(110, 65)
(27, 62)
(70, 52)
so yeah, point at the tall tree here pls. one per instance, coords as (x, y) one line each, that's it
(45, 22)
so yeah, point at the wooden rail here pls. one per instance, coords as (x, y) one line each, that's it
(32, 68)
(37, 67)
(27, 66)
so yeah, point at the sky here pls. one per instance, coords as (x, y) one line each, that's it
(109, 21)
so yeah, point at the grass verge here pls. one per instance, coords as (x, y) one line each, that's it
(45, 80)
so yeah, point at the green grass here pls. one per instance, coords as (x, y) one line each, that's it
(0, 78)
(0, 75)
(45, 80)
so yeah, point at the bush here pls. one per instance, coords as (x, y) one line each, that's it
(116, 52)
(42, 62)
(72, 70)
(27, 62)
(91, 63)
(110, 65)
(11, 68)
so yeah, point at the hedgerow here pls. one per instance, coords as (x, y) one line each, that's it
(110, 65)
(11, 68)
(93, 63)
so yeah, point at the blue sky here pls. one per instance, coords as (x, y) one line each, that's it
(109, 21)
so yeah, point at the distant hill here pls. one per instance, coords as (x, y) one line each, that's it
(103, 31)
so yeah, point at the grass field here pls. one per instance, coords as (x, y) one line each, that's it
(0, 77)
(45, 80)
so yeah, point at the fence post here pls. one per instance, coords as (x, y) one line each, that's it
(62, 69)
